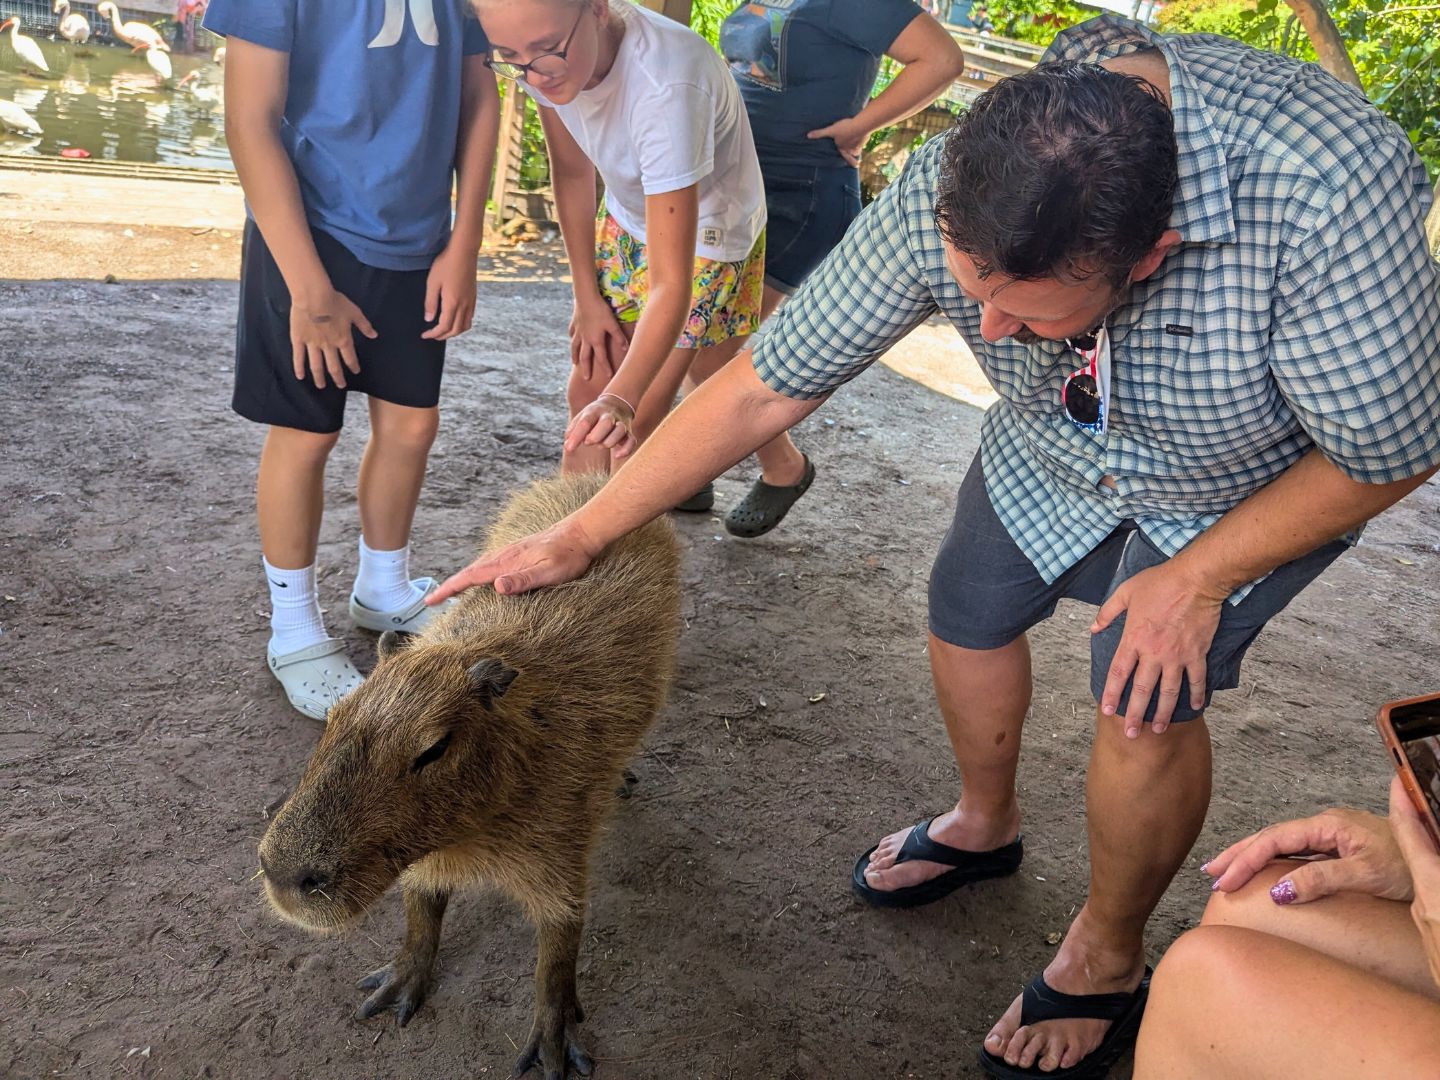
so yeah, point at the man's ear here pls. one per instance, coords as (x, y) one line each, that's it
(1168, 242)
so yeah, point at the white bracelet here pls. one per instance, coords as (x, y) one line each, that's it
(620, 399)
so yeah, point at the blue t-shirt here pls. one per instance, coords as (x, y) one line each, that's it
(803, 64)
(372, 117)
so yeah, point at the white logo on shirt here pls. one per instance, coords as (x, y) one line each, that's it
(711, 236)
(422, 14)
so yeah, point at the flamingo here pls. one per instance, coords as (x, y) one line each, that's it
(14, 118)
(74, 27)
(158, 61)
(132, 33)
(25, 47)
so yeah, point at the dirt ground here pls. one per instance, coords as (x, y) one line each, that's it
(143, 740)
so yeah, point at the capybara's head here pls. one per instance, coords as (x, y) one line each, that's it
(407, 765)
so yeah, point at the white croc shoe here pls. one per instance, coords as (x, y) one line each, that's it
(407, 620)
(315, 677)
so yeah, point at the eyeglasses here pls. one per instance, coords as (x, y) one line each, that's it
(549, 65)
(1080, 397)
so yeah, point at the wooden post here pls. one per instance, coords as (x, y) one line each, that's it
(507, 157)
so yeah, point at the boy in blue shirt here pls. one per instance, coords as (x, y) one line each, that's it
(348, 121)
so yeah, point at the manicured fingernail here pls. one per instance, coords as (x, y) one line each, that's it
(1283, 892)
(1205, 868)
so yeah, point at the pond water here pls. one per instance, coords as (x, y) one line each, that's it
(106, 100)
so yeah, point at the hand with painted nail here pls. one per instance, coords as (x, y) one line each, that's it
(1423, 863)
(1170, 623)
(1347, 851)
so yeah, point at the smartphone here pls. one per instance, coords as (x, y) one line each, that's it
(1411, 730)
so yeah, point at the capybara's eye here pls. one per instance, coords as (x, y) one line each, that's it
(435, 753)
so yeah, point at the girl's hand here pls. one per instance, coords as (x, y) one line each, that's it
(597, 344)
(322, 337)
(848, 136)
(1423, 862)
(1359, 855)
(606, 422)
(450, 293)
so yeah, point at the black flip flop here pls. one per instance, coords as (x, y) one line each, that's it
(766, 505)
(1039, 1002)
(970, 866)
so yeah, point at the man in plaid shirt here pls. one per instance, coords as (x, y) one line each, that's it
(1196, 276)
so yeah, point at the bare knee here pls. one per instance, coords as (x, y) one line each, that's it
(1195, 959)
(1249, 906)
(301, 448)
(404, 430)
(581, 391)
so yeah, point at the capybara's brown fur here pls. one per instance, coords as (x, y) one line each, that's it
(486, 750)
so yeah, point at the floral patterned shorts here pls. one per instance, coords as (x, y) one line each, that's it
(726, 296)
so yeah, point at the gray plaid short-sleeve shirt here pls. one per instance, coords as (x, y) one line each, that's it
(1302, 309)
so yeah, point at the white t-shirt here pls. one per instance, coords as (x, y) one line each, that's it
(668, 115)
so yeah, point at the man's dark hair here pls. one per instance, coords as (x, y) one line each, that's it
(1065, 171)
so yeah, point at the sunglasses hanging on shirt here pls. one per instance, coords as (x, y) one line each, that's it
(1085, 397)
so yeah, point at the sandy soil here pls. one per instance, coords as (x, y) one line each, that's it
(143, 740)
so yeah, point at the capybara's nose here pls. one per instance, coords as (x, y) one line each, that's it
(314, 880)
(311, 879)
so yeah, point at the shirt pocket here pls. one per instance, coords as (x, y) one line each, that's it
(1207, 403)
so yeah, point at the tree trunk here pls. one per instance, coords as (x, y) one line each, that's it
(1432, 224)
(1325, 36)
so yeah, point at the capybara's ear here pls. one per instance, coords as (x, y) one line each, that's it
(491, 678)
(391, 643)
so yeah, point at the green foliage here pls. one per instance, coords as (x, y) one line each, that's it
(1036, 21)
(1393, 44)
(707, 15)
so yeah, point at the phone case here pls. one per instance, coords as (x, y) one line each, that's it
(1402, 764)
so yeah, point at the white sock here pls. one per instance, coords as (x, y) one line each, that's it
(383, 583)
(295, 619)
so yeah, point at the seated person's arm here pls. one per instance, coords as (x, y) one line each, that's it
(1423, 863)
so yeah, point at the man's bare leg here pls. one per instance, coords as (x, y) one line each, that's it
(983, 695)
(1145, 803)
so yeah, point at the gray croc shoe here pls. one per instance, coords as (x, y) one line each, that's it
(407, 620)
(315, 677)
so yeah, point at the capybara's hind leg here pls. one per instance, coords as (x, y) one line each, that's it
(555, 1039)
(404, 982)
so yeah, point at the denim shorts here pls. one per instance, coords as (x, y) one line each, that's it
(808, 211)
(985, 593)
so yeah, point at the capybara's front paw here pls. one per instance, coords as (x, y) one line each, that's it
(400, 984)
(555, 1046)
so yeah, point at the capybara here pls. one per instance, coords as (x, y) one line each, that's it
(487, 750)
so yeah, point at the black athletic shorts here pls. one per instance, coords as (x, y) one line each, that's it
(397, 366)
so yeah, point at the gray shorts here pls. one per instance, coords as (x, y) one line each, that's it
(984, 593)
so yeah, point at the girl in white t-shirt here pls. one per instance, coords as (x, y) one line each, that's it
(679, 249)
